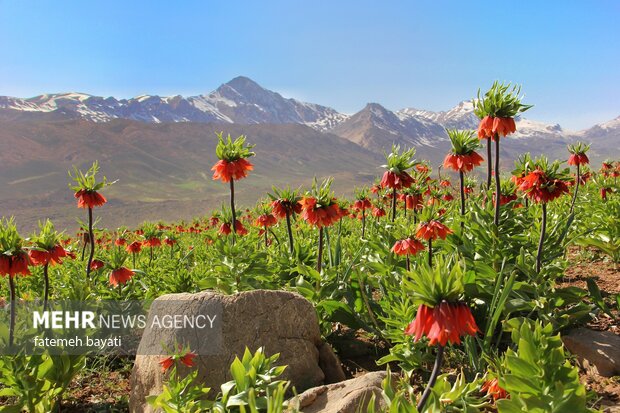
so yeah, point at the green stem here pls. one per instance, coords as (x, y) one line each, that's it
(543, 228)
(432, 379)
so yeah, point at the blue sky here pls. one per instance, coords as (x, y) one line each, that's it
(341, 53)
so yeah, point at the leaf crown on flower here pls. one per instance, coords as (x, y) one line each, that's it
(501, 101)
(150, 230)
(464, 142)
(578, 148)
(322, 193)
(398, 161)
(229, 150)
(523, 165)
(432, 285)
(47, 238)
(286, 194)
(10, 240)
(87, 181)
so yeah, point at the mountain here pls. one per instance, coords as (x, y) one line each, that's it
(163, 170)
(605, 138)
(240, 101)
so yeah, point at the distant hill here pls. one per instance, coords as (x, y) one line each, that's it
(163, 170)
(161, 148)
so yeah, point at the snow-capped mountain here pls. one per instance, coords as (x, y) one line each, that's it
(243, 101)
(240, 101)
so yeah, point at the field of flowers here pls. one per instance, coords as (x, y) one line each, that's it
(456, 272)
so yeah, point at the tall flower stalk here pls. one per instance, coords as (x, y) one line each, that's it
(46, 250)
(14, 260)
(320, 209)
(396, 176)
(232, 165)
(285, 204)
(361, 204)
(463, 158)
(497, 110)
(442, 317)
(544, 184)
(577, 158)
(87, 193)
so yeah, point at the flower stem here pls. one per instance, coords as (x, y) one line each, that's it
(430, 252)
(572, 205)
(543, 226)
(266, 240)
(290, 232)
(489, 163)
(393, 204)
(12, 320)
(462, 187)
(432, 380)
(408, 263)
(363, 222)
(320, 257)
(497, 182)
(91, 240)
(232, 209)
(47, 286)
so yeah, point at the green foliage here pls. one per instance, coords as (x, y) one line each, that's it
(398, 161)
(182, 395)
(432, 285)
(537, 375)
(229, 150)
(36, 383)
(464, 142)
(87, 181)
(501, 101)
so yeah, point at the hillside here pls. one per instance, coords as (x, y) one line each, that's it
(163, 170)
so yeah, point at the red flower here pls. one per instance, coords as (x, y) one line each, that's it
(503, 126)
(539, 188)
(421, 168)
(319, 215)
(604, 192)
(4, 264)
(362, 204)
(265, 220)
(227, 170)
(489, 127)
(442, 324)
(395, 180)
(166, 363)
(120, 242)
(432, 230)
(464, 163)
(52, 256)
(89, 199)
(15, 264)
(152, 242)
(281, 207)
(378, 212)
(134, 248)
(447, 197)
(407, 246)
(120, 276)
(491, 388)
(226, 228)
(96, 264)
(188, 359)
(504, 199)
(485, 128)
(578, 159)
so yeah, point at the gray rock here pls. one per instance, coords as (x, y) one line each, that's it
(597, 351)
(281, 322)
(345, 397)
